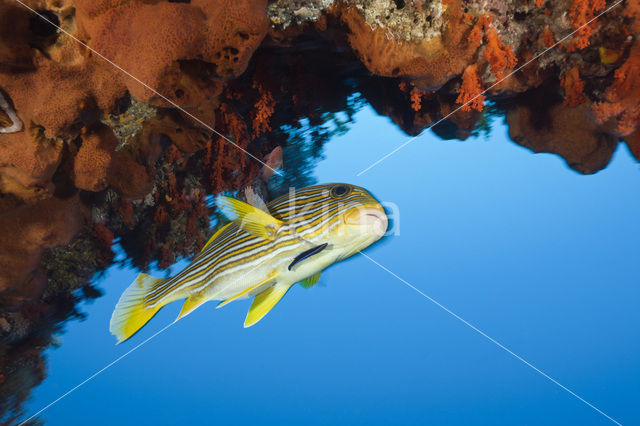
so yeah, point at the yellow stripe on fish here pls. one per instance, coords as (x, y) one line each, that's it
(261, 254)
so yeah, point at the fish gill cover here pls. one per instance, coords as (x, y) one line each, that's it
(89, 156)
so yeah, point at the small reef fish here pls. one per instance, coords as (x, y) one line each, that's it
(12, 123)
(273, 161)
(261, 254)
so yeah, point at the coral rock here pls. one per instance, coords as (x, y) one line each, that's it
(167, 44)
(129, 178)
(633, 142)
(28, 230)
(91, 165)
(429, 63)
(569, 132)
(27, 163)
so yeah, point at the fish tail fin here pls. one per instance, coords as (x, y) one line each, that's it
(130, 314)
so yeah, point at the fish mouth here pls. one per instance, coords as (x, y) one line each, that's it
(373, 217)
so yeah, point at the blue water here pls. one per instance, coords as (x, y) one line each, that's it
(538, 257)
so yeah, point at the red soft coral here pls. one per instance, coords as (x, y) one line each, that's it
(416, 99)
(581, 16)
(470, 92)
(573, 87)
(475, 36)
(264, 108)
(548, 39)
(623, 96)
(499, 55)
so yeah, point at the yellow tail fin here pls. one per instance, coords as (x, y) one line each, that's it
(130, 313)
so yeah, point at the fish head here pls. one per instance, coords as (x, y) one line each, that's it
(346, 217)
(363, 220)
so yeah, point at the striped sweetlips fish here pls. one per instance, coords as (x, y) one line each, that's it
(261, 253)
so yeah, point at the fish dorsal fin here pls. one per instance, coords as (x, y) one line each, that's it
(190, 305)
(248, 218)
(311, 281)
(246, 291)
(307, 253)
(213, 237)
(264, 302)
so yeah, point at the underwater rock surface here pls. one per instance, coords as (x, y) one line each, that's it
(89, 154)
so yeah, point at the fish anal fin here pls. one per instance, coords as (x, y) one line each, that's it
(310, 281)
(264, 302)
(131, 313)
(249, 218)
(191, 304)
(246, 291)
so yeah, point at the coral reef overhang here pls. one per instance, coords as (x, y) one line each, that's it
(89, 155)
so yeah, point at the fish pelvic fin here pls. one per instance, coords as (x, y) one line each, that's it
(247, 291)
(264, 302)
(249, 218)
(130, 313)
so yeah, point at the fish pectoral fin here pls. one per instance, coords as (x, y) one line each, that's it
(264, 302)
(191, 304)
(249, 218)
(246, 291)
(311, 281)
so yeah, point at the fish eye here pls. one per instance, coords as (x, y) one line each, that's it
(340, 191)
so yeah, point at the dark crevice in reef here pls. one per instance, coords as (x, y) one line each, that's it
(44, 30)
